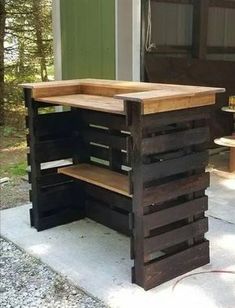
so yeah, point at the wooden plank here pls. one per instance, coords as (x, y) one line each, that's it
(103, 137)
(54, 124)
(137, 249)
(113, 121)
(175, 213)
(54, 149)
(108, 197)
(103, 153)
(66, 215)
(175, 265)
(175, 141)
(179, 165)
(99, 176)
(107, 216)
(174, 237)
(90, 102)
(175, 188)
(178, 104)
(155, 121)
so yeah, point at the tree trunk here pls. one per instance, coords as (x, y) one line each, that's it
(2, 34)
(38, 22)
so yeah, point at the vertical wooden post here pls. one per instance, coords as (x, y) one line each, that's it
(135, 117)
(34, 164)
(200, 28)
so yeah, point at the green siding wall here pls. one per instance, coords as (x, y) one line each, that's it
(88, 38)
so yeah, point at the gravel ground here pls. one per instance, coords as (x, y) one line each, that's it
(26, 282)
(14, 193)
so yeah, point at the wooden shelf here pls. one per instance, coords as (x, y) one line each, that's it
(228, 141)
(84, 101)
(98, 176)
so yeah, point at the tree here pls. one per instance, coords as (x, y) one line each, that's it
(28, 52)
(2, 34)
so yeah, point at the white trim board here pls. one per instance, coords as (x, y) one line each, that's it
(56, 24)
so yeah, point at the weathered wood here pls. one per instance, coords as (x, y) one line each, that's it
(164, 143)
(107, 216)
(52, 125)
(175, 213)
(113, 121)
(108, 197)
(54, 149)
(134, 115)
(102, 136)
(175, 265)
(174, 236)
(175, 188)
(154, 121)
(66, 215)
(170, 167)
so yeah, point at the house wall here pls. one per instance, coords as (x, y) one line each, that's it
(87, 38)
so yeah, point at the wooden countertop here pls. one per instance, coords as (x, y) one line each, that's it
(109, 95)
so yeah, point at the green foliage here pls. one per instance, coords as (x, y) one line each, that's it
(18, 169)
(8, 131)
(28, 47)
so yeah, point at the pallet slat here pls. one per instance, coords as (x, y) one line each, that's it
(108, 217)
(175, 236)
(108, 197)
(175, 213)
(176, 188)
(173, 141)
(102, 136)
(175, 265)
(54, 149)
(175, 166)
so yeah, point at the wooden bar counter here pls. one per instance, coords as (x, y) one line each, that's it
(129, 155)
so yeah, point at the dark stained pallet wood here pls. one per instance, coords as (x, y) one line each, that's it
(54, 149)
(112, 121)
(175, 265)
(66, 215)
(107, 216)
(167, 142)
(175, 213)
(175, 166)
(102, 136)
(175, 236)
(108, 197)
(175, 188)
(154, 121)
(104, 154)
(54, 124)
(135, 121)
(167, 180)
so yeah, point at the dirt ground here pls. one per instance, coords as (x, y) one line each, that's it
(13, 165)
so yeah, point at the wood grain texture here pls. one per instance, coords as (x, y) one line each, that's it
(176, 264)
(99, 176)
(90, 102)
(98, 95)
(175, 236)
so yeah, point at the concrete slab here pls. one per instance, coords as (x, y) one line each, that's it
(96, 259)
